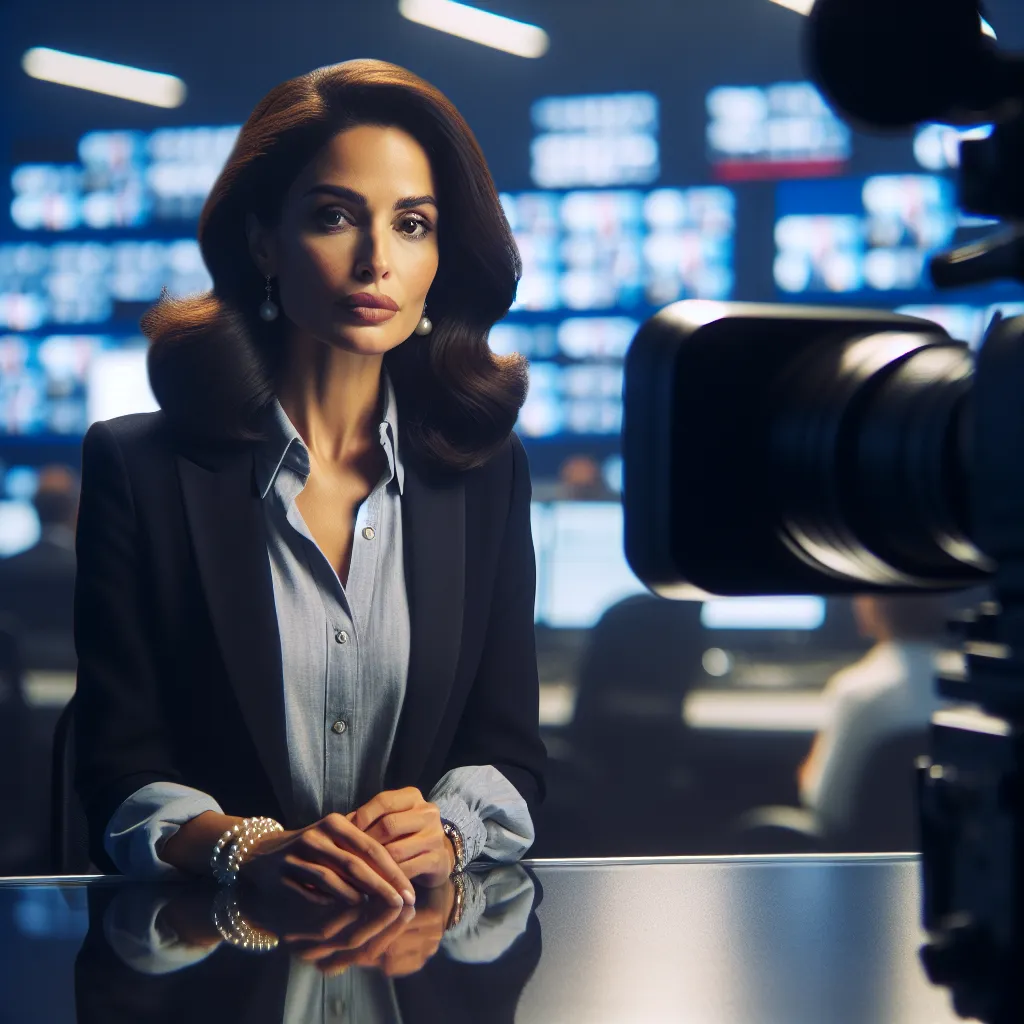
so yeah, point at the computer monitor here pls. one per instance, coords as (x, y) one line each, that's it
(582, 569)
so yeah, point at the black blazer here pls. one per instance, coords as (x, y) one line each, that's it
(179, 655)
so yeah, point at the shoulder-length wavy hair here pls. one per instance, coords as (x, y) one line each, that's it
(212, 360)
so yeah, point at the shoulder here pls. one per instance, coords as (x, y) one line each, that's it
(141, 430)
(139, 448)
(506, 475)
(869, 689)
(510, 461)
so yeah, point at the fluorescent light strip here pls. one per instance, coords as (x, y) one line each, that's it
(101, 76)
(477, 26)
(800, 6)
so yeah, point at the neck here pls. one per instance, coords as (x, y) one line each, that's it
(332, 397)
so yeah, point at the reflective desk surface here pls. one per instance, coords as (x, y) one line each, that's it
(768, 940)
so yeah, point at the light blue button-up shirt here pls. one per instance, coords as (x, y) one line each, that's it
(345, 655)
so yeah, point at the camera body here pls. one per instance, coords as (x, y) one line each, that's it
(793, 450)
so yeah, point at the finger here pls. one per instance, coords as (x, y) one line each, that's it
(309, 894)
(345, 856)
(369, 928)
(371, 853)
(321, 877)
(402, 823)
(426, 864)
(373, 950)
(405, 850)
(332, 926)
(350, 951)
(356, 867)
(388, 802)
(407, 963)
(358, 933)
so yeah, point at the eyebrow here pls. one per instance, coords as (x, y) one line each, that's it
(360, 200)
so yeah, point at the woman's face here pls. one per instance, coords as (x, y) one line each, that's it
(358, 224)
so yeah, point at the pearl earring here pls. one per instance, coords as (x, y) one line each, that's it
(424, 326)
(268, 308)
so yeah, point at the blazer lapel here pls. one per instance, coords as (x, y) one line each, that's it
(225, 519)
(434, 539)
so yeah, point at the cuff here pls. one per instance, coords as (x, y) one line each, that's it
(496, 912)
(133, 930)
(138, 829)
(488, 810)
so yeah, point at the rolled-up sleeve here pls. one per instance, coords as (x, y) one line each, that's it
(146, 820)
(488, 810)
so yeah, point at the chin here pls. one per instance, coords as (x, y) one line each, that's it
(367, 341)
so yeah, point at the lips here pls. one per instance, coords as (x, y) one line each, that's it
(367, 300)
(367, 308)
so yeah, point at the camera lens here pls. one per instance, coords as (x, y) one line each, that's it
(868, 437)
(799, 449)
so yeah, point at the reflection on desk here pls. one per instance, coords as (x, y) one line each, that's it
(174, 952)
(771, 940)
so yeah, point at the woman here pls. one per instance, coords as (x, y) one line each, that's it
(305, 587)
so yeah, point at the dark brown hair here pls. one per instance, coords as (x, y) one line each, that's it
(212, 360)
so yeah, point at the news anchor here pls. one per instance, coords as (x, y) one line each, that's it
(304, 603)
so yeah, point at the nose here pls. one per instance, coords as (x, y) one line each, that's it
(371, 256)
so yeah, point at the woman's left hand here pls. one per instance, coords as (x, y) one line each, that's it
(409, 828)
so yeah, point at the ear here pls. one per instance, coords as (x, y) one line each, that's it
(261, 245)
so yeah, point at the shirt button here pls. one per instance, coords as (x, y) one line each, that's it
(368, 532)
(340, 726)
(341, 636)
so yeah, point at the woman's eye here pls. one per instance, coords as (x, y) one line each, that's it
(332, 216)
(413, 227)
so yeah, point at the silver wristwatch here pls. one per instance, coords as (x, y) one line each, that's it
(455, 837)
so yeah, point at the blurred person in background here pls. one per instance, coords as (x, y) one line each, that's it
(37, 585)
(304, 609)
(890, 691)
(580, 479)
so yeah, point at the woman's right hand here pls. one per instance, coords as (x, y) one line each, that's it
(327, 861)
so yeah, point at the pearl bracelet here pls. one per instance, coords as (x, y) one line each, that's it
(243, 837)
(234, 928)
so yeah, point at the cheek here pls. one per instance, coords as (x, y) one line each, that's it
(321, 262)
(315, 274)
(418, 269)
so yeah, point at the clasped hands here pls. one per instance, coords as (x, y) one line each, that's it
(395, 940)
(379, 850)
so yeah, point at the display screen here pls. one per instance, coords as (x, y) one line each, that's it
(866, 235)
(624, 203)
(783, 130)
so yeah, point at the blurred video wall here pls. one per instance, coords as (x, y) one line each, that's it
(608, 233)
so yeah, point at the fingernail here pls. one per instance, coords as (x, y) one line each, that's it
(396, 901)
(410, 896)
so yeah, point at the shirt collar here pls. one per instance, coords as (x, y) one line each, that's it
(283, 445)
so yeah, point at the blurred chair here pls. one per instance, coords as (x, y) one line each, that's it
(883, 818)
(37, 585)
(69, 842)
(18, 846)
(624, 752)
